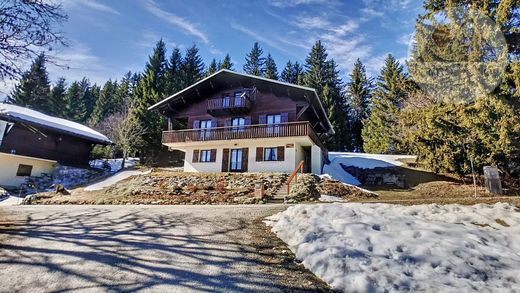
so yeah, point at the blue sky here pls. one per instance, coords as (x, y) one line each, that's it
(108, 38)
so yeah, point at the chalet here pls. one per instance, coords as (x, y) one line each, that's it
(234, 122)
(32, 143)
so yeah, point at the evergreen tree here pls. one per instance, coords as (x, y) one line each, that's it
(380, 130)
(255, 63)
(213, 67)
(271, 71)
(359, 91)
(226, 63)
(33, 91)
(149, 91)
(57, 98)
(75, 108)
(108, 103)
(292, 73)
(173, 73)
(192, 67)
(90, 96)
(323, 74)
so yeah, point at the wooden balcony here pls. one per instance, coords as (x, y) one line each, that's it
(228, 105)
(290, 129)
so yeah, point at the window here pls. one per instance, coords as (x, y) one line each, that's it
(238, 123)
(239, 100)
(226, 102)
(205, 125)
(205, 156)
(24, 170)
(270, 154)
(273, 121)
(236, 160)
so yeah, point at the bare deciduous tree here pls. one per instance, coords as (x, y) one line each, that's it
(124, 130)
(27, 27)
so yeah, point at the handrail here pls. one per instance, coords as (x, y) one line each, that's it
(294, 176)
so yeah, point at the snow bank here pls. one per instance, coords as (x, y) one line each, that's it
(114, 179)
(36, 117)
(381, 247)
(360, 160)
(330, 198)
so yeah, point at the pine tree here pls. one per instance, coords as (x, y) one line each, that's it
(57, 98)
(33, 91)
(292, 73)
(192, 67)
(323, 74)
(380, 130)
(107, 104)
(213, 67)
(226, 63)
(255, 63)
(149, 91)
(359, 91)
(90, 96)
(271, 71)
(173, 73)
(75, 109)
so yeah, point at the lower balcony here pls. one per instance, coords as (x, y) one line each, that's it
(290, 129)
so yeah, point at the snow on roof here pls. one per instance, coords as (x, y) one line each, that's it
(35, 117)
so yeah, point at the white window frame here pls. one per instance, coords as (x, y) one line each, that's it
(205, 156)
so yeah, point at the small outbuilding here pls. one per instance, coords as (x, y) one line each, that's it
(32, 143)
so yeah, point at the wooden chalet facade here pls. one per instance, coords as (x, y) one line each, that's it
(242, 123)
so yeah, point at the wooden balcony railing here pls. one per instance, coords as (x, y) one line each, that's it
(242, 132)
(225, 105)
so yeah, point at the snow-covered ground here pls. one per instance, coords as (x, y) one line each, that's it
(381, 247)
(330, 198)
(360, 160)
(114, 179)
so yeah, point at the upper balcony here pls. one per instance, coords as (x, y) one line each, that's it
(290, 129)
(226, 105)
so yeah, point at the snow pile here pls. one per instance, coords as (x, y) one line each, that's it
(360, 160)
(114, 164)
(39, 118)
(114, 179)
(381, 247)
(330, 198)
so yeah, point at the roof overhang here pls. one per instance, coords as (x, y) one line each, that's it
(225, 79)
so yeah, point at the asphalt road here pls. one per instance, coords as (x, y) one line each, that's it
(145, 248)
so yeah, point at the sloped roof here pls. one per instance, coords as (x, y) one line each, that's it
(17, 113)
(224, 75)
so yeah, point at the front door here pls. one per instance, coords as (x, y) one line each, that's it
(236, 162)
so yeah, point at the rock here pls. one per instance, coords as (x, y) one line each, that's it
(29, 199)
(3, 192)
(61, 189)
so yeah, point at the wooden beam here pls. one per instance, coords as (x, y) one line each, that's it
(300, 113)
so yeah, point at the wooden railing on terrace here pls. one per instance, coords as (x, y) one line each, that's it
(288, 129)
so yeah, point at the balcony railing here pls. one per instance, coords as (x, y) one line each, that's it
(242, 132)
(226, 105)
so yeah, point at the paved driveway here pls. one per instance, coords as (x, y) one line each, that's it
(148, 248)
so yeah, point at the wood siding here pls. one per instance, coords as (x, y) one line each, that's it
(41, 143)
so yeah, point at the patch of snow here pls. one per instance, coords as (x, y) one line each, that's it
(115, 164)
(114, 179)
(10, 201)
(36, 117)
(387, 248)
(330, 198)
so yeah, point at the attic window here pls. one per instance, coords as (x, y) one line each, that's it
(24, 170)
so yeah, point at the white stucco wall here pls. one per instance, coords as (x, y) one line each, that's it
(9, 166)
(316, 159)
(292, 156)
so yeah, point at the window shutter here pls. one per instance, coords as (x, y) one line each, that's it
(213, 122)
(248, 120)
(281, 153)
(245, 156)
(196, 124)
(195, 158)
(262, 119)
(225, 160)
(259, 154)
(284, 117)
(213, 155)
(227, 122)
